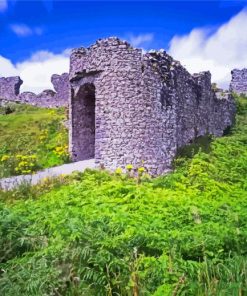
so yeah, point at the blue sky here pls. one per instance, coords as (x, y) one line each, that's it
(67, 24)
(51, 27)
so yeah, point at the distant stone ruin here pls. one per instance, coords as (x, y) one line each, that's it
(10, 87)
(127, 107)
(239, 81)
(10, 92)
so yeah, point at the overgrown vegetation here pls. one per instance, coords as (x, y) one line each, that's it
(31, 138)
(101, 234)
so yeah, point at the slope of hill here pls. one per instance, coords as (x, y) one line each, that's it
(31, 138)
(100, 234)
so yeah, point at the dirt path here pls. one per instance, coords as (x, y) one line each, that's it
(12, 182)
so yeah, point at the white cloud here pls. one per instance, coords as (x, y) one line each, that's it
(219, 52)
(3, 5)
(36, 72)
(140, 40)
(23, 30)
(7, 68)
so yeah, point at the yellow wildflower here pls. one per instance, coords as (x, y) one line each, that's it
(118, 171)
(129, 167)
(141, 170)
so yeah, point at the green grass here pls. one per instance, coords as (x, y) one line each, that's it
(99, 234)
(20, 133)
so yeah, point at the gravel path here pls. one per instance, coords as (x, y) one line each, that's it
(66, 169)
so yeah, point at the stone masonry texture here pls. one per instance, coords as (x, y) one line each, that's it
(10, 92)
(127, 107)
(10, 87)
(238, 83)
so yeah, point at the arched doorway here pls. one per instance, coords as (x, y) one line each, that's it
(83, 122)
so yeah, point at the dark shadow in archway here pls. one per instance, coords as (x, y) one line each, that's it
(84, 122)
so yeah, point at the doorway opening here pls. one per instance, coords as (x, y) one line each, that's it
(84, 122)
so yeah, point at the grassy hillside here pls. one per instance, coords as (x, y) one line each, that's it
(101, 234)
(31, 138)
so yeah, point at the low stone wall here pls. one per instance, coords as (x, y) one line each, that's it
(10, 92)
(238, 83)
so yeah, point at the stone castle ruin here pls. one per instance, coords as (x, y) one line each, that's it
(10, 92)
(238, 84)
(130, 107)
(127, 107)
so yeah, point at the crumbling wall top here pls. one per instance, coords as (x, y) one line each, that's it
(98, 57)
(10, 91)
(10, 87)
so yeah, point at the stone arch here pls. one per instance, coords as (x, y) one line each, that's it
(83, 122)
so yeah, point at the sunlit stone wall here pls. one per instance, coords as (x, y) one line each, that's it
(239, 81)
(143, 106)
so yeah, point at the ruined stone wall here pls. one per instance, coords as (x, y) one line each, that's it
(146, 106)
(61, 86)
(10, 87)
(183, 107)
(160, 113)
(239, 81)
(10, 92)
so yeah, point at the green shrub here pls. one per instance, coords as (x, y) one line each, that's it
(101, 234)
